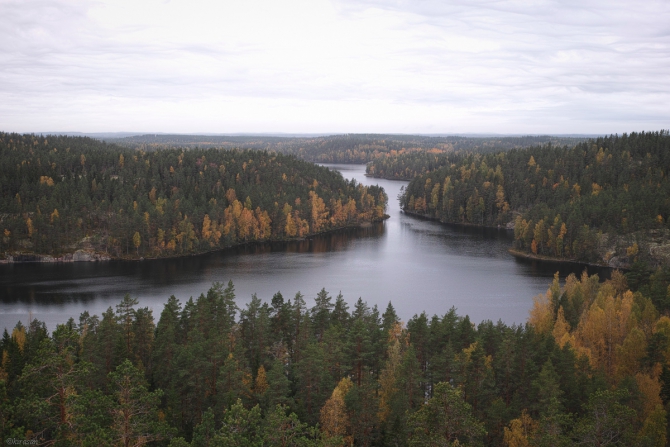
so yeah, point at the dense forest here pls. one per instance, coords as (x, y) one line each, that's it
(407, 164)
(350, 148)
(591, 367)
(59, 194)
(566, 202)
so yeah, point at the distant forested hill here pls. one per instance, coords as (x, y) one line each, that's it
(351, 148)
(562, 199)
(61, 193)
(407, 163)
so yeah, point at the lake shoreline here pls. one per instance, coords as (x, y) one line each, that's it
(389, 178)
(87, 255)
(458, 224)
(547, 260)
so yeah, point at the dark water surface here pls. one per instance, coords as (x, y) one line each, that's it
(417, 264)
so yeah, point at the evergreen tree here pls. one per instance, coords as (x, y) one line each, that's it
(607, 420)
(446, 419)
(135, 411)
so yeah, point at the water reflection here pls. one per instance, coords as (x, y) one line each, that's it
(59, 284)
(546, 268)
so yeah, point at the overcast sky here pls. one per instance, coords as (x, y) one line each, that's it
(321, 66)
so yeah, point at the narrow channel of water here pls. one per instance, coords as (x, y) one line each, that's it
(417, 264)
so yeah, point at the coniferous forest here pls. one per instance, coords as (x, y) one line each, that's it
(605, 201)
(348, 148)
(59, 194)
(591, 367)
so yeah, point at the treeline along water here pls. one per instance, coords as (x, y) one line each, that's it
(419, 265)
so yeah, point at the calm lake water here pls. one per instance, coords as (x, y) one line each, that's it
(416, 264)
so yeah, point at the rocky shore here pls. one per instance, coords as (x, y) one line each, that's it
(77, 256)
(87, 252)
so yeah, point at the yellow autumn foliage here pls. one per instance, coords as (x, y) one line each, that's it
(520, 431)
(334, 419)
(541, 315)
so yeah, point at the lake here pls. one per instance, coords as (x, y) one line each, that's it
(418, 265)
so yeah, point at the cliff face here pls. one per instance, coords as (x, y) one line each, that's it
(621, 251)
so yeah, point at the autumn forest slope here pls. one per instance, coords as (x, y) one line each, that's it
(605, 201)
(61, 194)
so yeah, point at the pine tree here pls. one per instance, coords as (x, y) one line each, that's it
(313, 382)
(320, 313)
(607, 420)
(445, 419)
(278, 392)
(126, 315)
(241, 427)
(135, 412)
(280, 429)
(50, 385)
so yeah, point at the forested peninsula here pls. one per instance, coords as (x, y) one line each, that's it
(591, 367)
(604, 201)
(66, 198)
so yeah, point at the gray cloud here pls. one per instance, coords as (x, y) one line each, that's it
(371, 65)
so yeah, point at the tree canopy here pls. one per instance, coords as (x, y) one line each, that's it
(591, 367)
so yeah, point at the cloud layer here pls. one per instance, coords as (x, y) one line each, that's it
(414, 66)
